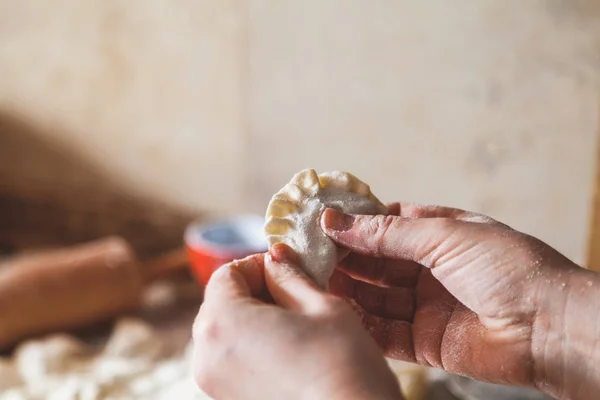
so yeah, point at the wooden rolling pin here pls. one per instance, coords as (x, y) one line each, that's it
(70, 288)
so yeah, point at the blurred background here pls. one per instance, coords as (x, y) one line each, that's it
(134, 117)
(210, 106)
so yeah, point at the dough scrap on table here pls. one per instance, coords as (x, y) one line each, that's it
(134, 364)
(414, 379)
(293, 217)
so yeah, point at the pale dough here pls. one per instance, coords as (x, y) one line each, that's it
(293, 216)
(414, 379)
(134, 364)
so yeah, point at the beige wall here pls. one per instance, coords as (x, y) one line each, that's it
(148, 91)
(486, 105)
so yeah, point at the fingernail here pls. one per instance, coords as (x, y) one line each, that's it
(283, 254)
(334, 220)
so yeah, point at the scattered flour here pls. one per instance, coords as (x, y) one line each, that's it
(134, 364)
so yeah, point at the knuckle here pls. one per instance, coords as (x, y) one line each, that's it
(333, 305)
(479, 218)
(421, 212)
(381, 226)
(383, 222)
(224, 271)
(484, 219)
(444, 225)
(474, 217)
(206, 328)
(209, 344)
(203, 376)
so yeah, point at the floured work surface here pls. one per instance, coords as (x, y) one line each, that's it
(146, 356)
(135, 363)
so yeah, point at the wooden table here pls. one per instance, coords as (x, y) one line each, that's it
(593, 256)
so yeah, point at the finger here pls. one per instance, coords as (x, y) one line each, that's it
(414, 210)
(252, 268)
(397, 303)
(289, 286)
(393, 208)
(423, 240)
(394, 337)
(238, 279)
(384, 272)
(434, 308)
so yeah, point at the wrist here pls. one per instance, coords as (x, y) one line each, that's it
(566, 332)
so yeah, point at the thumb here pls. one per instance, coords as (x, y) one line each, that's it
(289, 286)
(423, 240)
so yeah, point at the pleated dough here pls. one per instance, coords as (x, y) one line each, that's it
(294, 212)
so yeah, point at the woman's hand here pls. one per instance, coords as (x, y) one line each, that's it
(460, 291)
(308, 346)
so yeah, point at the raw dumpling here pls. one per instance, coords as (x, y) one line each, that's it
(293, 217)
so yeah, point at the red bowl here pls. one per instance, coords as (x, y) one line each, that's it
(212, 244)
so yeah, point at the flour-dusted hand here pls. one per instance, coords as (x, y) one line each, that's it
(463, 292)
(308, 345)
